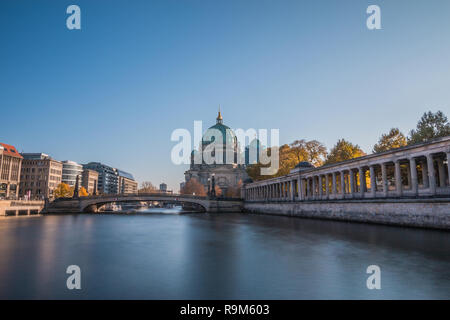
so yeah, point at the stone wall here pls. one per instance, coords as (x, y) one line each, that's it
(20, 207)
(433, 213)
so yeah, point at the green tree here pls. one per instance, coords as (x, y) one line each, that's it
(430, 126)
(63, 190)
(391, 140)
(344, 150)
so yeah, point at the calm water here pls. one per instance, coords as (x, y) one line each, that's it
(227, 256)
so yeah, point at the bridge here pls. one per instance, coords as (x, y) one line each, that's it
(408, 186)
(93, 203)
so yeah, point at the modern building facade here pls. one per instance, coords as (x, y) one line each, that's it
(126, 181)
(10, 166)
(108, 179)
(40, 175)
(89, 180)
(70, 171)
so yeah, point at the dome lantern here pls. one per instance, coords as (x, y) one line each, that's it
(219, 118)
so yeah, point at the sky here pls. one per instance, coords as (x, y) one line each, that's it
(115, 90)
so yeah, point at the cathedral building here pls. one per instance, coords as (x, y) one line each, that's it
(229, 172)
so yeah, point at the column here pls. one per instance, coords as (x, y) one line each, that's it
(362, 182)
(398, 178)
(313, 187)
(320, 186)
(431, 177)
(441, 172)
(413, 172)
(426, 183)
(292, 190)
(327, 189)
(343, 184)
(448, 166)
(333, 184)
(352, 183)
(384, 179)
(373, 182)
(308, 188)
(299, 188)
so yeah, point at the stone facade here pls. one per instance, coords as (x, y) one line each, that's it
(10, 166)
(127, 185)
(405, 186)
(228, 173)
(89, 180)
(422, 213)
(40, 175)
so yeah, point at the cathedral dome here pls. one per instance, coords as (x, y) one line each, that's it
(228, 135)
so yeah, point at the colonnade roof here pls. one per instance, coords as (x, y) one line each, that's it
(295, 172)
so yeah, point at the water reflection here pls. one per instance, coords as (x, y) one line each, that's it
(165, 254)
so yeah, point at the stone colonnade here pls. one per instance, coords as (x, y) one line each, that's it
(414, 171)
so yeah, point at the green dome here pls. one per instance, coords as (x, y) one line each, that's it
(228, 135)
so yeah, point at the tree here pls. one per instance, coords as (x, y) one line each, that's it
(82, 192)
(217, 190)
(289, 156)
(234, 192)
(391, 140)
(193, 187)
(147, 187)
(344, 150)
(317, 152)
(63, 190)
(312, 151)
(287, 161)
(430, 126)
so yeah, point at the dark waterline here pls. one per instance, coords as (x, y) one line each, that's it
(226, 256)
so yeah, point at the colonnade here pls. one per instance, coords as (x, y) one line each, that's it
(417, 171)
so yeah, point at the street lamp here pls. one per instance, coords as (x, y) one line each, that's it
(213, 187)
(209, 187)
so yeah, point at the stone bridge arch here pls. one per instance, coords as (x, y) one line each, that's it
(92, 204)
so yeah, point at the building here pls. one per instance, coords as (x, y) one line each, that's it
(108, 180)
(163, 188)
(70, 171)
(182, 184)
(10, 166)
(89, 180)
(40, 175)
(229, 172)
(126, 181)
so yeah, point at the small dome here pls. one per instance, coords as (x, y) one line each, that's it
(305, 165)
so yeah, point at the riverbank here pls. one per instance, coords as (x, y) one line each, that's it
(423, 213)
(20, 207)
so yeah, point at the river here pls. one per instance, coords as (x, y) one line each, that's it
(161, 254)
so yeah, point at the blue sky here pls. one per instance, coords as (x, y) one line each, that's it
(116, 89)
